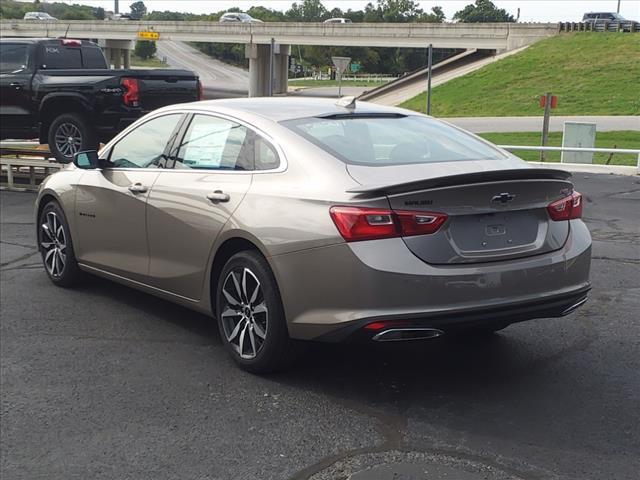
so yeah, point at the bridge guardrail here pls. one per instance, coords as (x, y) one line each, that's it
(632, 151)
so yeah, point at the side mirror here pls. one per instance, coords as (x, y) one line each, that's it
(86, 160)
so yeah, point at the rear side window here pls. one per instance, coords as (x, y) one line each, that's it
(392, 140)
(214, 143)
(13, 57)
(92, 57)
(266, 156)
(57, 57)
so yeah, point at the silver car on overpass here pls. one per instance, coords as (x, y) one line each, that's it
(293, 219)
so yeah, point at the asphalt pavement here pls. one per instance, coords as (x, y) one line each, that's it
(103, 382)
(219, 79)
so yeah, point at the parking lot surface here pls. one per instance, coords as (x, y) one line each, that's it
(104, 382)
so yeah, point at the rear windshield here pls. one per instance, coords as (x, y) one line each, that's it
(397, 140)
(57, 57)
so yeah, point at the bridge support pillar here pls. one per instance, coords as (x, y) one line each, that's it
(281, 69)
(259, 58)
(117, 52)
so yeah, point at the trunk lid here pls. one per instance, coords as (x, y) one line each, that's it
(493, 213)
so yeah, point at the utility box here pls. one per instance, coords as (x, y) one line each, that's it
(578, 134)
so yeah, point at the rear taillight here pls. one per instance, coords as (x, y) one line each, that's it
(358, 223)
(200, 90)
(566, 208)
(131, 96)
(68, 42)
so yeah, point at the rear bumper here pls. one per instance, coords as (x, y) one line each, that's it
(331, 292)
(452, 322)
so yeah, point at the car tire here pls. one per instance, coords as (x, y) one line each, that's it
(56, 247)
(250, 315)
(69, 134)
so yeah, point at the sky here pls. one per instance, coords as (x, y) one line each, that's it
(530, 10)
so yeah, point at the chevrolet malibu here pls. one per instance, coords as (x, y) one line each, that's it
(290, 219)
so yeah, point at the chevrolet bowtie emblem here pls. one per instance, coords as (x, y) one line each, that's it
(503, 198)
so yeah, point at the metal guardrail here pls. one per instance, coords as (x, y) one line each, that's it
(40, 169)
(632, 151)
(36, 170)
(600, 26)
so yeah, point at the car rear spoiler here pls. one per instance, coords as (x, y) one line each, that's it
(463, 179)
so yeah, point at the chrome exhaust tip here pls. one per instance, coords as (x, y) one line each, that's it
(403, 334)
(573, 307)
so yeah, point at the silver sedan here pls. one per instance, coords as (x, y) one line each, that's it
(294, 219)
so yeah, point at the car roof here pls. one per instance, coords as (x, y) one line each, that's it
(23, 40)
(30, 41)
(280, 109)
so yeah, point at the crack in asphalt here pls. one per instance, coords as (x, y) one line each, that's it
(388, 426)
(19, 259)
(23, 245)
(391, 428)
(634, 261)
(35, 266)
(111, 339)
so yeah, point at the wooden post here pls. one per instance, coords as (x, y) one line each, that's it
(545, 123)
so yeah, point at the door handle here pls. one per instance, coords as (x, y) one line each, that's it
(16, 85)
(137, 188)
(218, 196)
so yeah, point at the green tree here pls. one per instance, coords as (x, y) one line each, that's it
(145, 49)
(372, 13)
(399, 10)
(99, 13)
(308, 11)
(138, 9)
(266, 14)
(336, 13)
(436, 16)
(483, 11)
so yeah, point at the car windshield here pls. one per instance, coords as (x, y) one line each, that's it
(13, 57)
(384, 140)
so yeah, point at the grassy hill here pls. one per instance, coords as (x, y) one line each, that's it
(591, 73)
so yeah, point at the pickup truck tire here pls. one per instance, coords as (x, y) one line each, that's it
(69, 134)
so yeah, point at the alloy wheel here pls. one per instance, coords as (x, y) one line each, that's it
(68, 139)
(245, 316)
(54, 245)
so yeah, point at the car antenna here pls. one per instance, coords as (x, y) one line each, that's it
(347, 102)
(67, 31)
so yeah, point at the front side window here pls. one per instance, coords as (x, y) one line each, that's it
(214, 143)
(144, 147)
(382, 140)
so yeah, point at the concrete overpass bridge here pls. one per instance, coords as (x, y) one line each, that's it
(118, 35)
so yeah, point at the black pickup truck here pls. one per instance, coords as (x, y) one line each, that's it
(62, 92)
